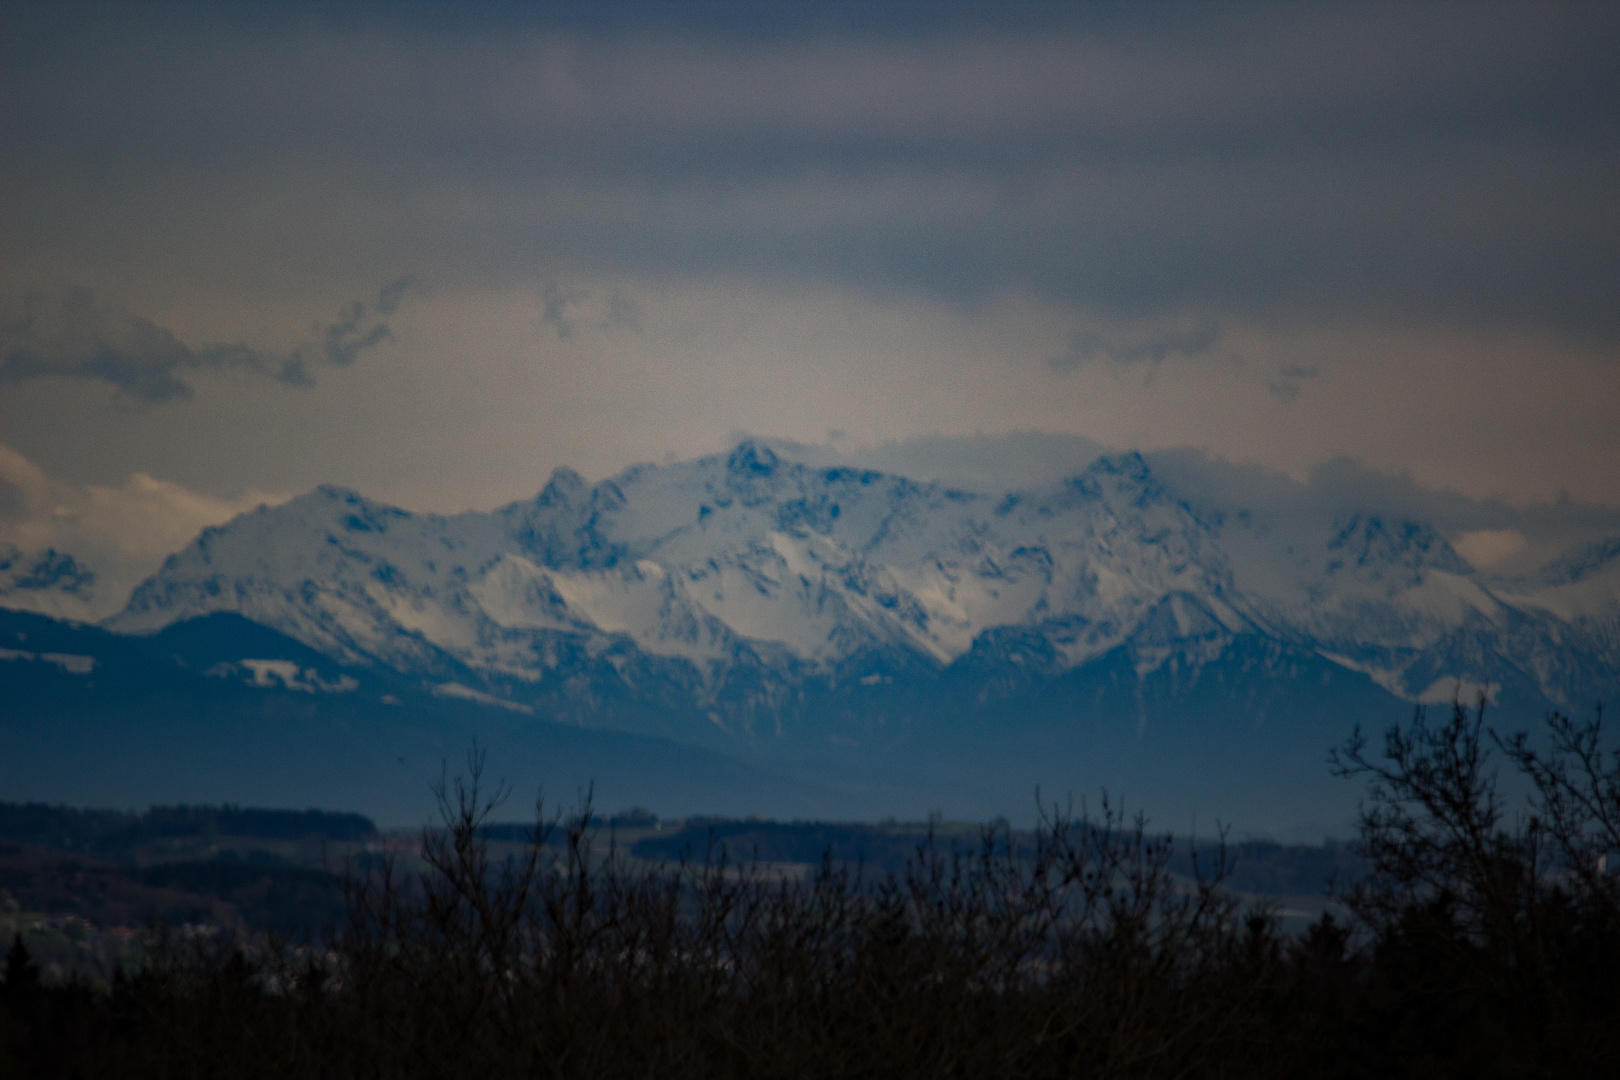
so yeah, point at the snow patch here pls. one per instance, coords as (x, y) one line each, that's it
(71, 663)
(285, 673)
(1387, 678)
(467, 693)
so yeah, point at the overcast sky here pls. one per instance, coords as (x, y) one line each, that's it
(434, 252)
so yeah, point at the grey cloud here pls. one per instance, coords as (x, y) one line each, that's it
(1421, 163)
(358, 328)
(1289, 381)
(82, 338)
(1088, 346)
(623, 310)
(561, 309)
(85, 340)
(554, 303)
(344, 339)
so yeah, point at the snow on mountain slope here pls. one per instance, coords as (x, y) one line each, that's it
(642, 600)
(1583, 585)
(829, 561)
(352, 578)
(1581, 590)
(1380, 597)
(748, 559)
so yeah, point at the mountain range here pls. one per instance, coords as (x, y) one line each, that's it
(840, 641)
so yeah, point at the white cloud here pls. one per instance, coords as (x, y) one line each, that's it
(119, 534)
(1486, 548)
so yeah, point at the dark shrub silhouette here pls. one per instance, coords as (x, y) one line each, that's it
(1496, 937)
(1483, 942)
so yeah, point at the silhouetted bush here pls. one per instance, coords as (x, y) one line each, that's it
(1496, 931)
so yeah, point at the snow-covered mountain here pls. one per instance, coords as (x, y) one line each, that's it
(732, 582)
(751, 632)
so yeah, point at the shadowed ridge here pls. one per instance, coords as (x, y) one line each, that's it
(1585, 561)
(752, 458)
(565, 488)
(562, 527)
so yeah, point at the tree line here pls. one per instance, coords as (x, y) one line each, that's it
(1483, 941)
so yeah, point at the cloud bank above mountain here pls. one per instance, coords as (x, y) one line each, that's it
(114, 535)
(1494, 535)
(78, 550)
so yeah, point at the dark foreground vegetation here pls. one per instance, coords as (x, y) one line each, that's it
(1484, 942)
(83, 882)
(117, 833)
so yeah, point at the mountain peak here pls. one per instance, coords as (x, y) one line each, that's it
(337, 493)
(1126, 473)
(752, 458)
(1130, 463)
(565, 488)
(1368, 541)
